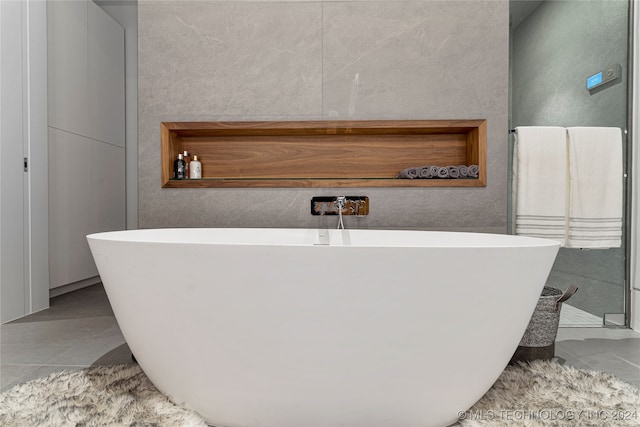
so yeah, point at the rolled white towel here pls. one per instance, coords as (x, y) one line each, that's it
(425, 172)
(443, 172)
(409, 173)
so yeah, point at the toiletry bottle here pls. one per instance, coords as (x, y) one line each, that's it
(187, 160)
(179, 168)
(195, 168)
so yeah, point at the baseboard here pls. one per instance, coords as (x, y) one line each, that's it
(65, 289)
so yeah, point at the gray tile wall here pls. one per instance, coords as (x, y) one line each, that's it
(314, 60)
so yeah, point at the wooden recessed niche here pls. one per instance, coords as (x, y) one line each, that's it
(323, 153)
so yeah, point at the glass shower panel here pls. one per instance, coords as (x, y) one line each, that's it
(555, 47)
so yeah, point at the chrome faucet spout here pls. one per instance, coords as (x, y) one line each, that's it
(340, 203)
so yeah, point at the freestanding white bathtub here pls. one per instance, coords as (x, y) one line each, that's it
(322, 328)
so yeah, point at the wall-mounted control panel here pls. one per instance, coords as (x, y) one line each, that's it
(607, 75)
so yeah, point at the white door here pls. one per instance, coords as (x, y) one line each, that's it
(24, 274)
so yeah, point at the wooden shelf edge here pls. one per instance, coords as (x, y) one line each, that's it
(322, 183)
(324, 127)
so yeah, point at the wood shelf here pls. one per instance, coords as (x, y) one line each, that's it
(323, 153)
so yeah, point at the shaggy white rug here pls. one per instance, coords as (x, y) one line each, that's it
(540, 394)
(545, 393)
(118, 395)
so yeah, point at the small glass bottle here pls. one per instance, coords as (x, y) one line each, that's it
(187, 160)
(179, 168)
(195, 168)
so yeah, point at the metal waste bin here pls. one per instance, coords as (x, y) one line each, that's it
(539, 340)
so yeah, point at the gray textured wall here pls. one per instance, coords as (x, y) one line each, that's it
(310, 60)
(553, 52)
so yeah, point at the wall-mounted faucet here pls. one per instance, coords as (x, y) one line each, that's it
(337, 205)
(340, 202)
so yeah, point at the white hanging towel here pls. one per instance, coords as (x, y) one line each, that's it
(540, 167)
(596, 182)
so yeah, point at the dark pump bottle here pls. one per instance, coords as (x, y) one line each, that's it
(179, 168)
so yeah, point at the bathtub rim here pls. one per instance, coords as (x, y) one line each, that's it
(306, 236)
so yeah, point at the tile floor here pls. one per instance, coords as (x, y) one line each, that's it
(574, 317)
(79, 330)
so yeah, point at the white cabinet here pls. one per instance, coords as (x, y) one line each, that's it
(106, 78)
(69, 205)
(86, 71)
(86, 195)
(68, 77)
(106, 176)
(86, 135)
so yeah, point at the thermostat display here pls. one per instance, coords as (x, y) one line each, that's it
(594, 80)
(608, 74)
